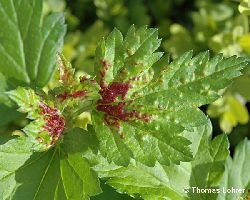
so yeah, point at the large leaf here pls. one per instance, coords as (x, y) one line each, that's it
(13, 154)
(60, 173)
(28, 42)
(141, 116)
(174, 181)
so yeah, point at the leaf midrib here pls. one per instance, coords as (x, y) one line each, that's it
(45, 173)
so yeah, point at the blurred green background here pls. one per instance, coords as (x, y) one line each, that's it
(221, 26)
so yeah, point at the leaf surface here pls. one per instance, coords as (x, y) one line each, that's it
(141, 116)
(174, 181)
(49, 174)
(28, 54)
(237, 173)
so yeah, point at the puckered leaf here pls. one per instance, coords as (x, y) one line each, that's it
(115, 55)
(27, 100)
(174, 181)
(140, 115)
(237, 173)
(48, 122)
(28, 43)
(75, 94)
(60, 173)
(191, 81)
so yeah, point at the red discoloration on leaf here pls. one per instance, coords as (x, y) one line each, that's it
(64, 72)
(64, 76)
(45, 109)
(105, 64)
(54, 121)
(109, 94)
(136, 78)
(116, 112)
(63, 96)
(83, 79)
(122, 136)
(103, 72)
(77, 94)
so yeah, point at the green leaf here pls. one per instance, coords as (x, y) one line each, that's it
(74, 95)
(208, 167)
(3, 88)
(193, 81)
(29, 42)
(171, 182)
(110, 193)
(53, 6)
(74, 92)
(27, 100)
(60, 173)
(8, 114)
(140, 115)
(241, 86)
(118, 54)
(13, 154)
(237, 173)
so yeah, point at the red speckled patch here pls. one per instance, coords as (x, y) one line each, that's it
(55, 122)
(116, 112)
(77, 94)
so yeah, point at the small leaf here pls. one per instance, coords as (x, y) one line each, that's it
(27, 100)
(74, 95)
(66, 70)
(48, 124)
